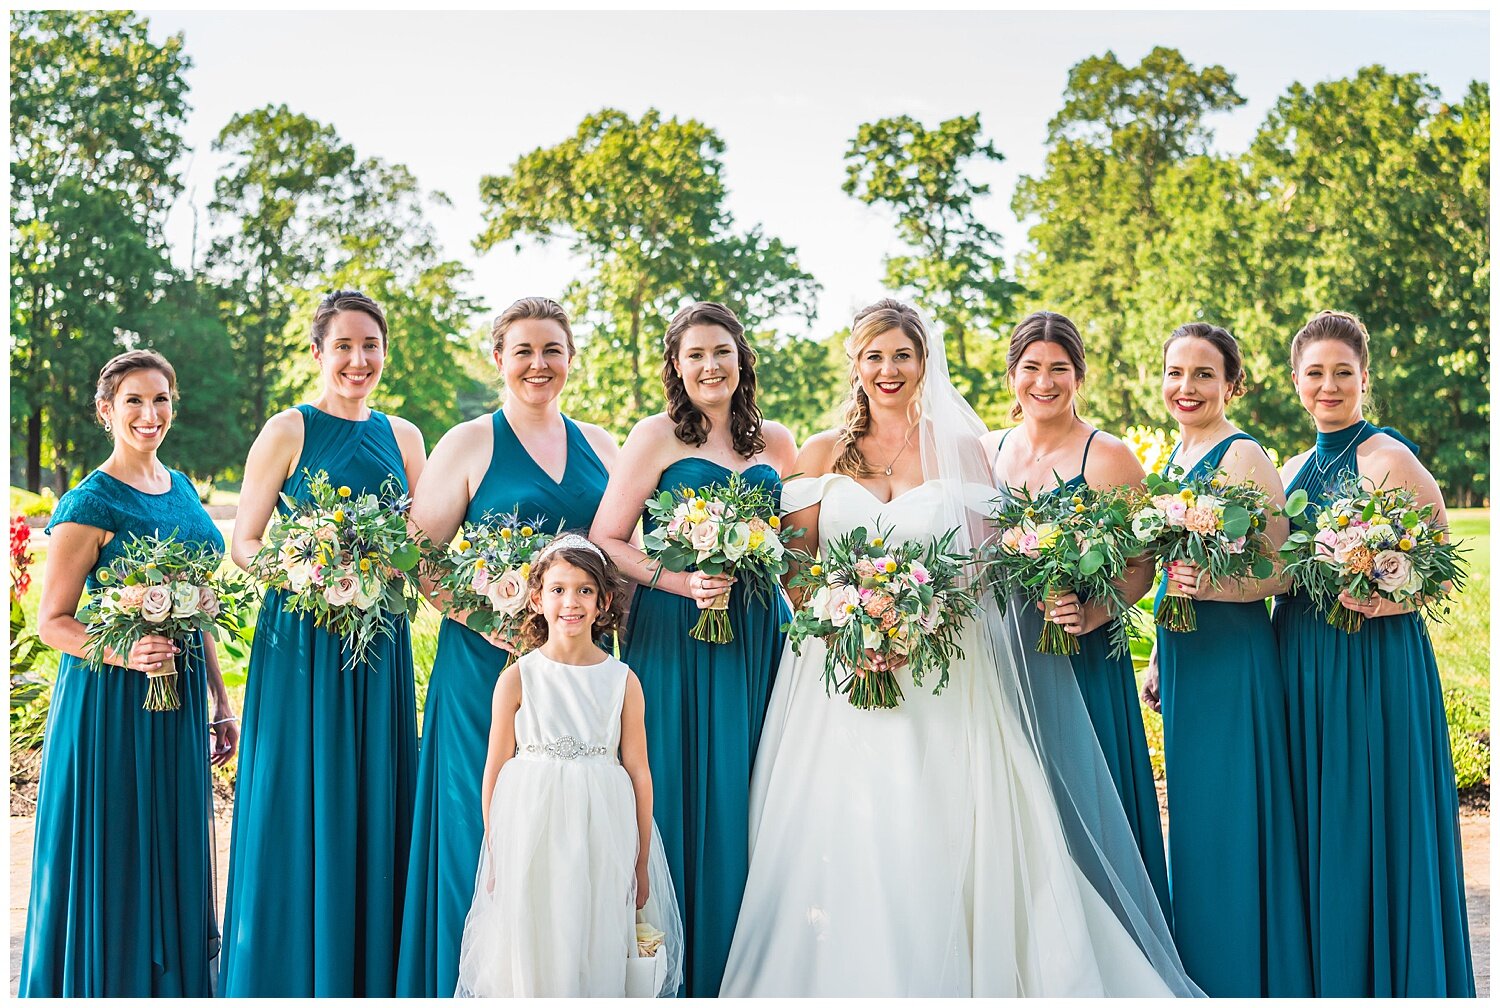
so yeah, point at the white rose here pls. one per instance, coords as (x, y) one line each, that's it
(735, 540)
(184, 599)
(156, 604)
(1148, 524)
(772, 546)
(839, 602)
(368, 593)
(298, 575)
(872, 639)
(507, 593)
(339, 590)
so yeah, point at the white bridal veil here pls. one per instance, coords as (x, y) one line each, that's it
(1036, 695)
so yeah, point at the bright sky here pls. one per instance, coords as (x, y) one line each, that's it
(458, 96)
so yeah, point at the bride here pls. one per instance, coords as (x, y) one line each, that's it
(965, 843)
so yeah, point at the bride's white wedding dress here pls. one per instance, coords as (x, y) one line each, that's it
(914, 851)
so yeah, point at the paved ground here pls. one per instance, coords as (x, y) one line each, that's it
(1476, 843)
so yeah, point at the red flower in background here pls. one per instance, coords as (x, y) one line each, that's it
(20, 555)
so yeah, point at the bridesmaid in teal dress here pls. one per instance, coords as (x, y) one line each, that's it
(122, 872)
(323, 802)
(525, 456)
(1046, 366)
(705, 703)
(1238, 899)
(1370, 740)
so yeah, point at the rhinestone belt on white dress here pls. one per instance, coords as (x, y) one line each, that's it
(565, 748)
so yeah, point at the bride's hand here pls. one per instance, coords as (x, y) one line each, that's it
(642, 886)
(876, 662)
(704, 588)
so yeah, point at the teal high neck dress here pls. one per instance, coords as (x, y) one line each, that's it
(1376, 789)
(1238, 899)
(323, 801)
(449, 824)
(705, 706)
(1107, 685)
(121, 898)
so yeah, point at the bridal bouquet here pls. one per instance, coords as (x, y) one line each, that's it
(904, 602)
(1370, 542)
(164, 587)
(347, 560)
(730, 528)
(1217, 525)
(1058, 542)
(486, 571)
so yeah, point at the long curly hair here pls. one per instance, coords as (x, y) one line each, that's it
(871, 321)
(744, 416)
(606, 577)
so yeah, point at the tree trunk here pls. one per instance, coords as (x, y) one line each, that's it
(34, 451)
(637, 396)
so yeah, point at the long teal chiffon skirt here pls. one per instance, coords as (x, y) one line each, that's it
(121, 878)
(705, 707)
(1385, 861)
(323, 814)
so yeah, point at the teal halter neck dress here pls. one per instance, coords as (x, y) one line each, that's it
(705, 706)
(449, 825)
(327, 768)
(1107, 685)
(121, 898)
(1376, 789)
(1238, 899)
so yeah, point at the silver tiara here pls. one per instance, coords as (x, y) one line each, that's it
(571, 540)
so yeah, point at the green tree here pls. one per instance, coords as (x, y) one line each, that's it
(1095, 203)
(955, 271)
(1382, 208)
(284, 181)
(187, 325)
(96, 109)
(641, 203)
(378, 240)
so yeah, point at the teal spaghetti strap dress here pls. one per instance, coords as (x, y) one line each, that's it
(705, 706)
(323, 802)
(1375, 776)
(1107, 685)
(449, 824)
(122, 873)
(1238, 900)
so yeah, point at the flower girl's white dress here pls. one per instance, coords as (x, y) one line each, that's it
(554, 898)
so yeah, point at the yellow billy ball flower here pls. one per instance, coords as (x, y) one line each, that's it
(689, 493)
(526, 570)
(463, 544)
(344, 491)
(526, 531)
(364, 565)
(890, 566)
(816, 570)
(480, 564)
(1343, 520)
(1078, 500)
(774, 522)
(338, 515)
(506, 533)
(877, 542)
(1078, 509)
(1404, 544)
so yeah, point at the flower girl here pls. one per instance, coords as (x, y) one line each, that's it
(570, 852)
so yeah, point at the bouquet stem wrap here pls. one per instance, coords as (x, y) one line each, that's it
(1345, 619)
(713, 623)
(1177, 612)
(1054, 639)
(161, 687)
(874, 689)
